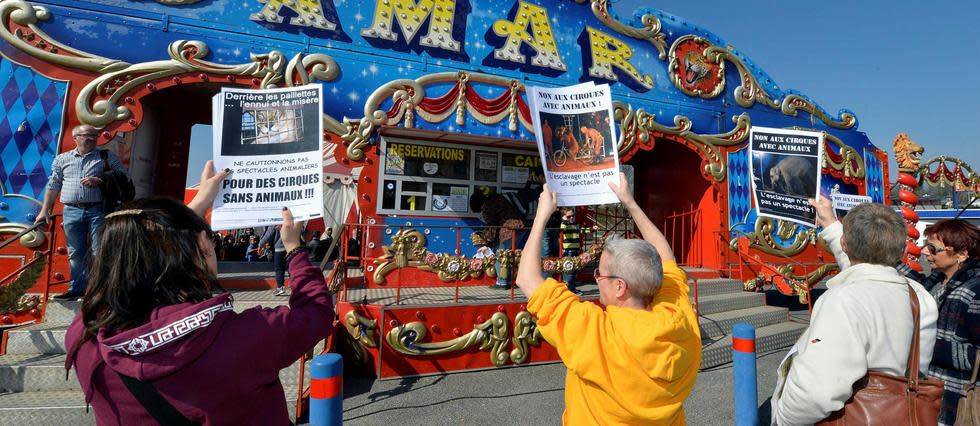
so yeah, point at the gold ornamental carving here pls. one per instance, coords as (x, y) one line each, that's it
(695, 59)
(793, 103)
(762, 238)
(908, 154)
(408, 249)
(491, 334)
(407, 94)
(796, 281)
(39, 45)
(968, 181)
(526, 333)
(98, 104)
(361, 328)
(650, 31)
(749, 91)
(32, 239)
(635, 125)
(852, 165)
(570, 264)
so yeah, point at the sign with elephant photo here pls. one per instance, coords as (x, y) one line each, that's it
(785, 171)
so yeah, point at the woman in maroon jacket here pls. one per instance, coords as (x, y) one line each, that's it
(152, 343)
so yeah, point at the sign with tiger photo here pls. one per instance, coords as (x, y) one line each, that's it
(270, 139)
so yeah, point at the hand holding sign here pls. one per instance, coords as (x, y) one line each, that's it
(208, 188)
(825, 212)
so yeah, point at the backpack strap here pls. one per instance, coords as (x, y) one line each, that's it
(162, 411)
(105, 159)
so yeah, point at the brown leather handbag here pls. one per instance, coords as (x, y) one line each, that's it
(884, 399)
(968, 409)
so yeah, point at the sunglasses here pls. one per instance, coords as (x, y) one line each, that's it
(934, 249)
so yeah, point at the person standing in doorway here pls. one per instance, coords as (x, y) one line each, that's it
(75, 175)
(571, 243)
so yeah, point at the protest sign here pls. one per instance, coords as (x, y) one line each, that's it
(844, 202)
(785, 171)
(576, 138)
(270, 139)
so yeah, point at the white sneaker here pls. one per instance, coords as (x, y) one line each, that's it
(279, 291)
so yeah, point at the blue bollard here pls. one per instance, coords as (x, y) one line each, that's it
(743, 375)
(327, 390)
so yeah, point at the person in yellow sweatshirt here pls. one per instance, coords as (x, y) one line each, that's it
(634, 359)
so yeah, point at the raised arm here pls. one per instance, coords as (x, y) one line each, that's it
(529, 270)
(208, 188)
(647, 229)
(832, 230)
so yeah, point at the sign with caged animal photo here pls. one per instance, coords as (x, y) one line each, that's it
(270, 139)
(785, 170)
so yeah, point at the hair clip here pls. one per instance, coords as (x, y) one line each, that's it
(124, 212)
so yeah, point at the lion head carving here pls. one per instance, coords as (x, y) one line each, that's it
(908, 154)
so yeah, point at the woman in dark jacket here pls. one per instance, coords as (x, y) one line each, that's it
(952, 249)
(151, 326)
(504, 226)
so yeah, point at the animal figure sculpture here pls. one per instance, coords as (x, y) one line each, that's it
(794, 176)
(908, 154)
(276, 126)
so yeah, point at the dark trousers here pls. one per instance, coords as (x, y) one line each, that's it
(569, 279)
(279, 259)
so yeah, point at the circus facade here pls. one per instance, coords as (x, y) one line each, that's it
(443, 80)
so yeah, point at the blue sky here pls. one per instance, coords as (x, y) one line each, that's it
(201, 152)
(900, 66)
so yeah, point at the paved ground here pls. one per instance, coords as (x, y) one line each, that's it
(535, 394)
(522, 395)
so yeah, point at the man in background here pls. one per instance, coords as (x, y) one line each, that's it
(75, 175)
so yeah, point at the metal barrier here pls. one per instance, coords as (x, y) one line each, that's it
(744, 257)
(681, 230)
(348, 260)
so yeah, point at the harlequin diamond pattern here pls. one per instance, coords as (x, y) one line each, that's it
(32, 107)
(739, 187)
(873, 178)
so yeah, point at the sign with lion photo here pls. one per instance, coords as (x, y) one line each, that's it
(785, 169)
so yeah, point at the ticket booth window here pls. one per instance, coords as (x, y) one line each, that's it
(437, 179)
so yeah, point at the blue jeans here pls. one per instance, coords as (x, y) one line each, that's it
(279, 259)
(548, 242)
(569, 279)
(79, 225)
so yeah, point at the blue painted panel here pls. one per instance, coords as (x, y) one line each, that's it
(32, 107)
(873, 177)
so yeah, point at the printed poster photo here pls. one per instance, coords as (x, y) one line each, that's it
(270, 121)
(577, 142)
(785, 171)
